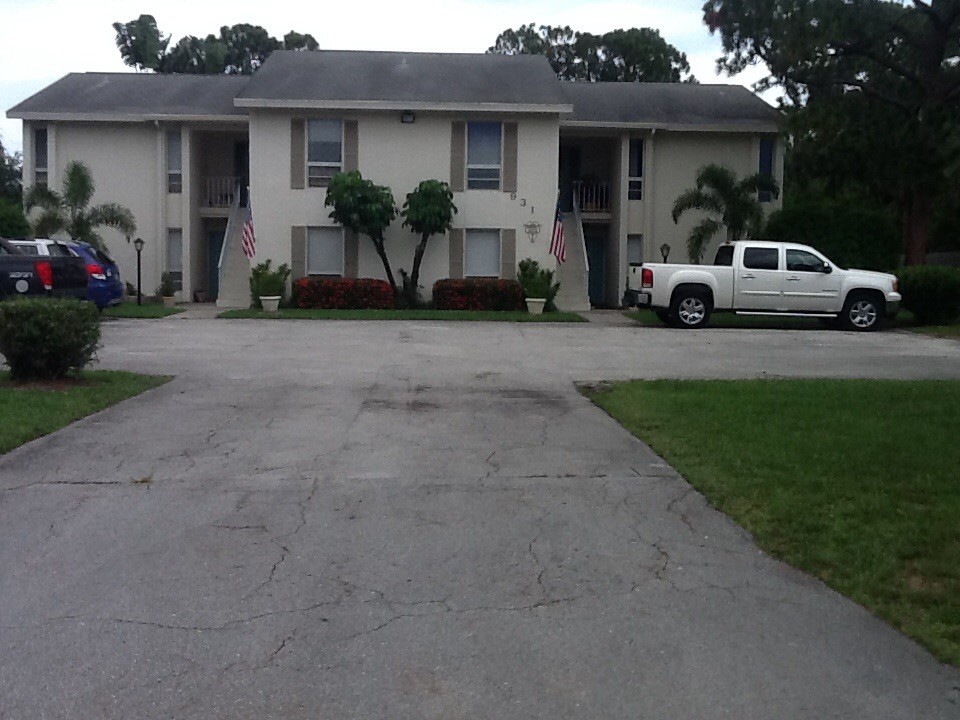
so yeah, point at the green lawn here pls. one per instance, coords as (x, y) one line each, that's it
(132, 310)
(35, 409)
(853, 481)
(462, 315)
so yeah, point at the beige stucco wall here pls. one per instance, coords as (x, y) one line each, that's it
(399, 156)
(671, 161)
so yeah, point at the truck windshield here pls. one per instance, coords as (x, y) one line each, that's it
(724, 256)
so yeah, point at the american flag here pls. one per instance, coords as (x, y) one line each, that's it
(249, 241)
(558, 246)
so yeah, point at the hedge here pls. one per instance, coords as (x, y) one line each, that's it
(478, 294)
(47, 338)
(342, 294)
(931, 293)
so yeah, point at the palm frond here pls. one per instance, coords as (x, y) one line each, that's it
(718, 178)
(77, 186)
(696, 200)
(115, 216)
(41, 196)
(49, 222)
(700, 236)
(759, 183)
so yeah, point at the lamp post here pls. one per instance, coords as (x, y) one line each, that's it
(138, 244)
(665, 251)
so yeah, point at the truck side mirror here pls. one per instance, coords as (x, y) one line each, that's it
(827, 268)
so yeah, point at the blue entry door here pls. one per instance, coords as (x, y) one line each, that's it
(597, 257)
(214, 244)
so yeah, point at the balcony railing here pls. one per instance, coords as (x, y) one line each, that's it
(592, 197)
(219, 191)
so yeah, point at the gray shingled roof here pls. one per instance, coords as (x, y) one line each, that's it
(668, 104)
(136, 95)
(423, 78)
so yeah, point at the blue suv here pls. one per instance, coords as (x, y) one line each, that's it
(104, 287)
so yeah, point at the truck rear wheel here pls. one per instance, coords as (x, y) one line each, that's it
(690, 308)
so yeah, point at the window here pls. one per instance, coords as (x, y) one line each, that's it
(28, 249)
(324, 151)
(766, 166)
(761, 258)
(56, 249)
(40, 157)
(174, 162)
(325, 251)
(635, 249)
(635, 179)
(482, 253)
(724, 256)
(803, 261)
(483, 155)
(175, 256)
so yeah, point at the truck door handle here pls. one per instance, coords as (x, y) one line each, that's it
(793, 278)
(749, 276)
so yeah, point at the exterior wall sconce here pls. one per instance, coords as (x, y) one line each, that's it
(407, 117)
(665, 251)
(532, 229)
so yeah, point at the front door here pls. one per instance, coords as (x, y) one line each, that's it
(597, 257)
(214, 245)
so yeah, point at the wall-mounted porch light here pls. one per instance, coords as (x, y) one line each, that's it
(532, 229)
(665, 251)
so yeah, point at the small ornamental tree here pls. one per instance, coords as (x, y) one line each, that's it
(70, 209)
(428, 211)
(365, 208)
(733, 203)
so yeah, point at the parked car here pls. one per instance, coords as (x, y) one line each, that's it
(104, 286)
(58, 275)
(764, 278)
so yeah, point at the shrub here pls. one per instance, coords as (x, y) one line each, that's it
(537, 282)
(852, 230)
(265, 282)
(342, 294)
(167, 287)
(478, 294)
(13, 223)
(46, 338)
(931, 293)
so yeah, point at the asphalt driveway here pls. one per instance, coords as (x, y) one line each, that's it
(422, 520)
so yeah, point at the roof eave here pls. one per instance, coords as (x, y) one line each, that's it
(15, 114)
(745, 127)
(292, 104)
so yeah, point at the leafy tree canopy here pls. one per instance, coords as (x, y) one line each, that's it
(11, 171)
(237, 50)
(874, 86)
(427, 211)
(634, 55)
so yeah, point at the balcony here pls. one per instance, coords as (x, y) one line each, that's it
(593, 198)
(219, 191)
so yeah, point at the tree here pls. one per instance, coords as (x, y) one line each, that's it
(70, 209)
(634, 55)
(11, 175)
(238, 50)
(140, 43)
(428, 211)
(733, 203)
(887, 71)
(365, 208)
(13, 223)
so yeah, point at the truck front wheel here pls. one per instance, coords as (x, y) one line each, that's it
(690, 309)
(862, 312)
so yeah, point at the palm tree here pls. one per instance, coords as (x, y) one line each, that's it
(70, 209)
(732, 202)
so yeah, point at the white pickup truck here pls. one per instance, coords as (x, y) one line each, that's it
(764, 278)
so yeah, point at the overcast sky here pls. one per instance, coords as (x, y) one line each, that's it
(42, 40)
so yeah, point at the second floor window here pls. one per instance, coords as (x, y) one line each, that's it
(174, 162)
(766, 166)
(484, 141)
(324, 151)
(635, 179)
(40, 157)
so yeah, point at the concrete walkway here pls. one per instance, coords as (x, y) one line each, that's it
(421, 520)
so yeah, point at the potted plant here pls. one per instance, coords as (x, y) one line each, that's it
(538, 286)
(268, 286)
(167, 290)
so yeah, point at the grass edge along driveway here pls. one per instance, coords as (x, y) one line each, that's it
(456, 315)
(33, 410)
(150, 311)
(853, 481)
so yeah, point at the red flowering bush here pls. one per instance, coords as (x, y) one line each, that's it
(478, 294)
(342, 294)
